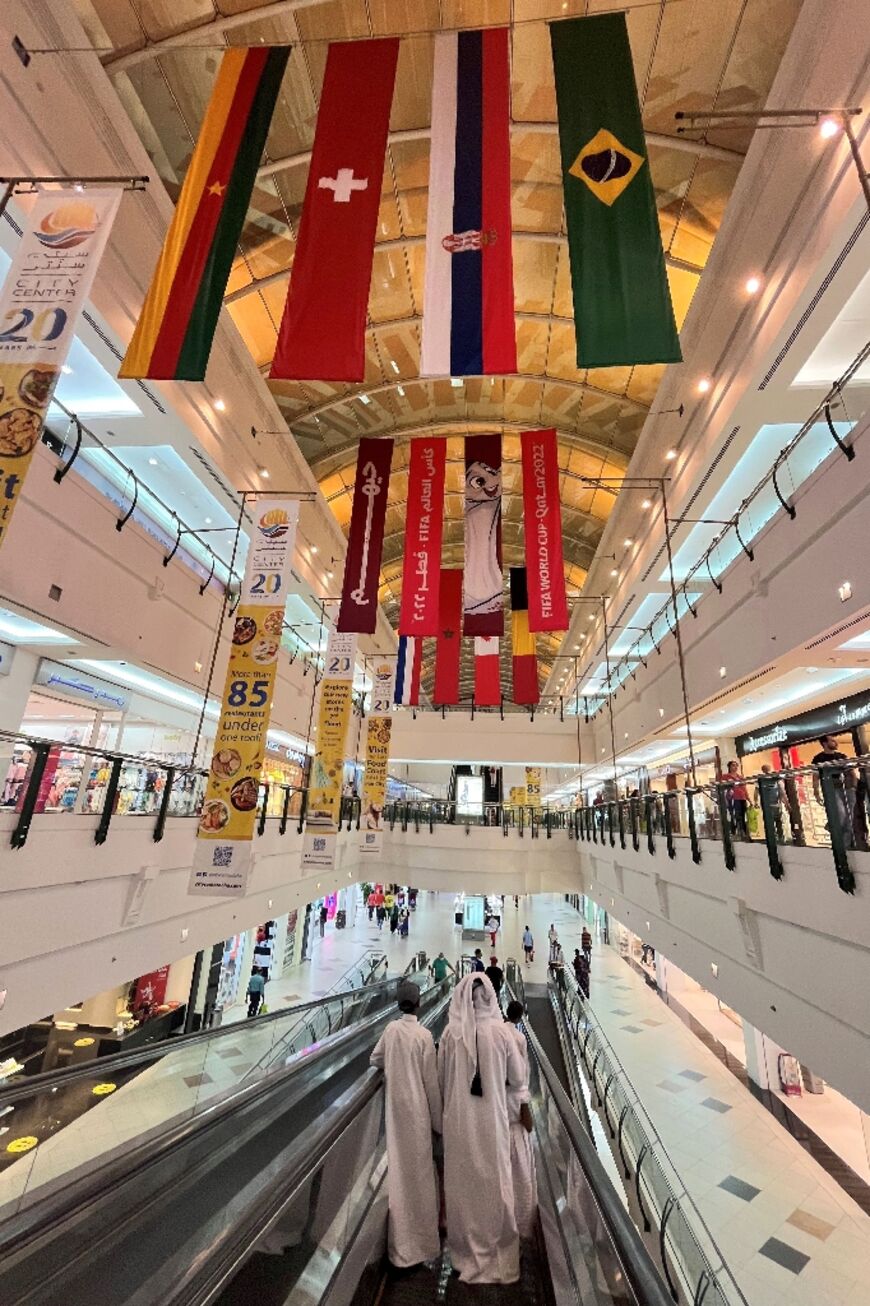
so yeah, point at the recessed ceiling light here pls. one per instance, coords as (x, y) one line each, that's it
(723, 672)
(79, 187)
(394, 365)
(220, 406)
(364, 399)
(66, 369)
(456, 382)
(613, 571)
(314, 548)
(811, 671)
(647, 503)
(845, 591)
(671, 455)
(661, 711)
(401, 390)
(628, 543)
(208, 521)
(828, 127)
(753, 285)
(264, 472)
(704, 385)
(152, 462)
(329, 575)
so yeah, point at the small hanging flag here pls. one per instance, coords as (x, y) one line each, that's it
(469, 327)
(487, 671)
(622, 304)
(525, 664)
(408, 668)
(173, 336)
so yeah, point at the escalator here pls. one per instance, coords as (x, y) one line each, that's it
(275, 1193)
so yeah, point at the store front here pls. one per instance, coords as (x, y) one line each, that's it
(794, 743)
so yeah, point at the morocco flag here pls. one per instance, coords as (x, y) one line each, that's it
(173, 336)
(525, 663)
(622, 304)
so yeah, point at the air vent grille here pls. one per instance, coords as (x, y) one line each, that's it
(847, 625)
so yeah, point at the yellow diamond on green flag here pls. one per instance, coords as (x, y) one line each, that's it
(606, 165)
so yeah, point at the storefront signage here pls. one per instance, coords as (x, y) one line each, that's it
(222, 858)
(44, 292)
(7, 655)
(378, 730)
(834, 718)
(327, 771)
(78, 685)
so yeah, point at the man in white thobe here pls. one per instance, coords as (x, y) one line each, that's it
(406, 1053)
(478, 1063)
(522, 1156)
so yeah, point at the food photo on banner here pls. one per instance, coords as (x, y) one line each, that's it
(222, 858)
(424, 530)
(327, 771)
(358, 613)
(44, 292)
(482, 578)
(378, 730)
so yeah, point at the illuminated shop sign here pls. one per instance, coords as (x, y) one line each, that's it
(80, 686)
(835, 718)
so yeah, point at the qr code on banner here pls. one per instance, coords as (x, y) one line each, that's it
(223, 856)
(319, 844)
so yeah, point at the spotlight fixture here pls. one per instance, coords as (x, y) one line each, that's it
(220, 406)
(845, 591)
(264, 472)
(647, 503)
(671, 455)
(314, 548)
(614, 572)
(704, 385)
(628, 543)
(661, 711)
(723, 672)
(753, 285)
(828, 127)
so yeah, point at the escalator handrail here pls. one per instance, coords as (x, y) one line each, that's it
(96, 1184)
(637, 1265)
(103, 1066)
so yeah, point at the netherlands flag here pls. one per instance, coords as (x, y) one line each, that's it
(408, 670)
(468, 318)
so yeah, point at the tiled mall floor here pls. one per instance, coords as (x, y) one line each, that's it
(787, 1230)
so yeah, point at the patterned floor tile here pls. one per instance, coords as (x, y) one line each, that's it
(739, 1187)
(788, 1257)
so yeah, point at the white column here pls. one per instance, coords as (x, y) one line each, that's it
(14, 693)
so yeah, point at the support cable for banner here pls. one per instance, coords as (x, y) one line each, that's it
(218, 632)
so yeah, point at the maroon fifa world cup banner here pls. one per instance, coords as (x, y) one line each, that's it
(424, 528)
(483, 585)
(359, 595)
(542, 514)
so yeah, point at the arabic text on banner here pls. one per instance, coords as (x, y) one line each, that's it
(44, 292)
(324, 791)
(424, 528)
(378, 730)
(362, 568)
(222, 858)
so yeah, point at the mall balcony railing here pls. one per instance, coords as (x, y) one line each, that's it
(422, 815)
(820, 806)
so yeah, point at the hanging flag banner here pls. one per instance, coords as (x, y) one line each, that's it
(44, 292)
(323, 329)
(365, 541)
(533, 786)
(622, 303)
(483, 580)
(222, 857)
(525, 662)
(487, 671)
(174, 334)
(448, 649)
(469, 327)
(378, 730)
(542, 517)
(327, 769)
(409, 666)
(424, 528)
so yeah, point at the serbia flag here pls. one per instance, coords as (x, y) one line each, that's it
(468, 309)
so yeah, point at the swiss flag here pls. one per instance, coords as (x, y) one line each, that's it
(487, 671)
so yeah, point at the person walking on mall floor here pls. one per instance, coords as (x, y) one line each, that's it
(492, 926)
(406, 1054)
(845, 782)
(256, 992)
(520, 1117)
(529, 945)
(586, 944)
(581, 971)
(479, 1063)
(324, 914)
(552, 934)
(557, 962)
(496, 976)
(737, 798)
(394, 918)
(381, 913)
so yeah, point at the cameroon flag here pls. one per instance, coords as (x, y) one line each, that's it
(622, 304)
(525, 662)
(172, 340)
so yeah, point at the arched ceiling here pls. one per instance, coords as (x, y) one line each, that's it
(688, 55)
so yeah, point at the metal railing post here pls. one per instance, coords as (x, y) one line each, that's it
(28, 806)
(693, 826)
(725, 823)
(610, 830)
(667, 799)
(109, 800)
(649, 804)
(635, 833)
(621, 820)
(768, 793)
(264, 803)
(837, 810)
(160, 823)
(303, 808)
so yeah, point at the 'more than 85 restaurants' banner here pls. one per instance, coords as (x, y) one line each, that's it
(222, 858)
(542, 513)
(378, 730)
(424, 529)
(44, 292)
(324, 790)
(362, 568)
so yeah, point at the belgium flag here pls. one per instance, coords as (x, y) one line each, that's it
(622, 303)
(525, 664)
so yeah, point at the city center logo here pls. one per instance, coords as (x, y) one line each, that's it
(71, 223)
(274, 524)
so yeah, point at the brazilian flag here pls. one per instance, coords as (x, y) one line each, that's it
(622, 304)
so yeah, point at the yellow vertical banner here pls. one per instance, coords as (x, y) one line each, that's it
(222, 857)
(333, 718)
(533, 786)
(44, 292)
(378, 730)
